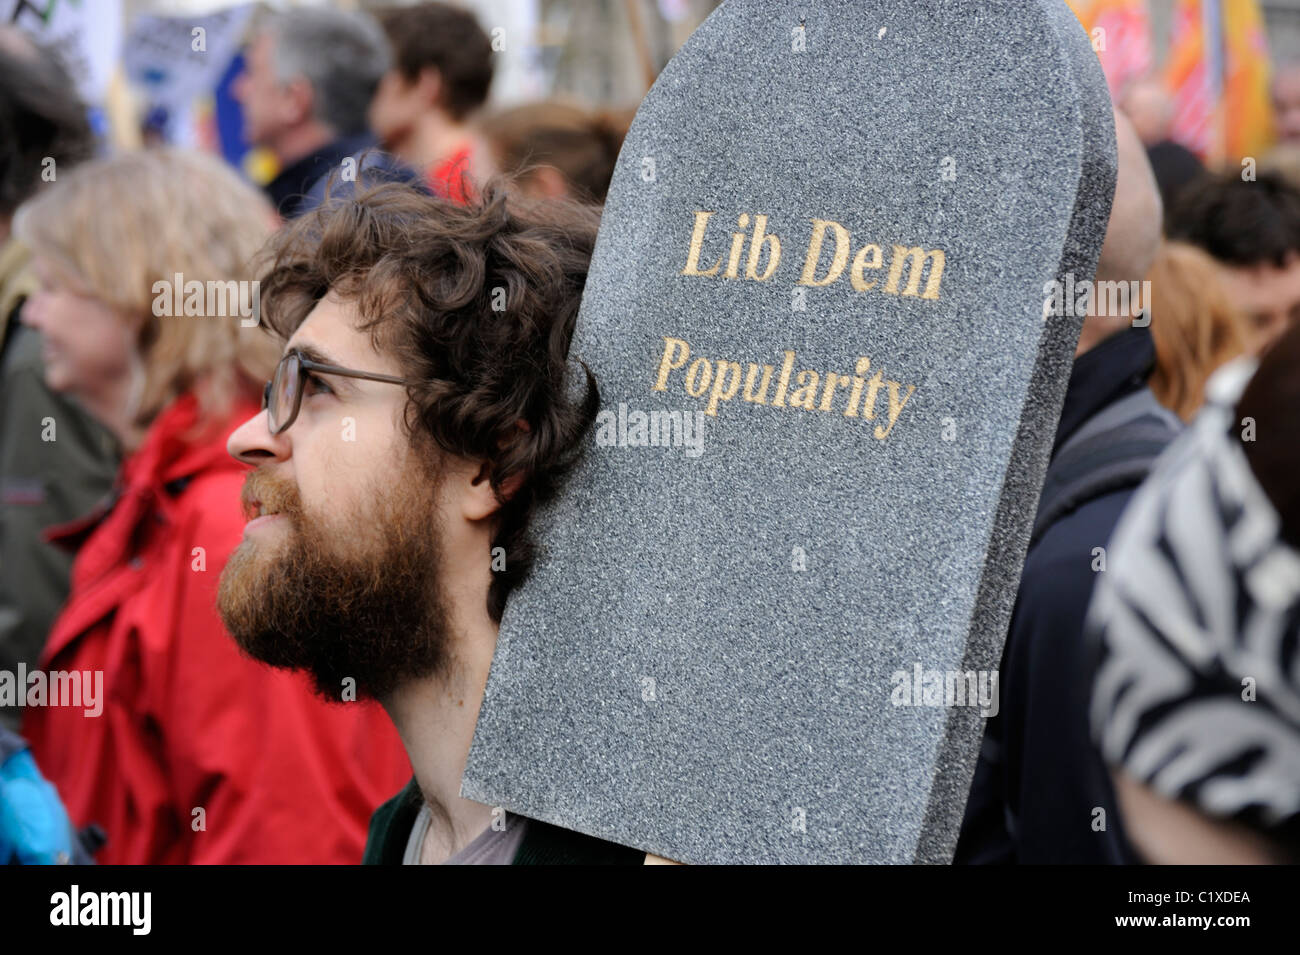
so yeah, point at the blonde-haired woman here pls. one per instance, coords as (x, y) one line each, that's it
(1194, 324)
(178, 747)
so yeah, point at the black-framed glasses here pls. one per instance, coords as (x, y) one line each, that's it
(282, 396)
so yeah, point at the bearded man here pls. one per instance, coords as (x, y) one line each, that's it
(423, 407)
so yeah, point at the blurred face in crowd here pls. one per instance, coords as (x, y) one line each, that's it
(338, 572)
(88, 349)
(1286, 104)
(270, 106)
(1268, 296)
(398, 103)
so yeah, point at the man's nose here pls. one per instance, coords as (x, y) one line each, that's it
(33, 311)
(253, 443)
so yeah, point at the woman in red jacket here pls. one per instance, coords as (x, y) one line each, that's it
(193, 753)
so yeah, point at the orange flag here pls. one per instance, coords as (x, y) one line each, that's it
(1248, 127)
(1121, 35)
(1218, 73)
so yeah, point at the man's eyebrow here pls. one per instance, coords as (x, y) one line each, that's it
(312, 353)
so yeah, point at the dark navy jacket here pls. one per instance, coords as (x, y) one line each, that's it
(1039, 784)
(303, 185)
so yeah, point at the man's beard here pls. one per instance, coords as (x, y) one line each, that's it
(359, 601)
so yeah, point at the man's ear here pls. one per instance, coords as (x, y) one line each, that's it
(480, 500)
(301, 98)
(429, 84)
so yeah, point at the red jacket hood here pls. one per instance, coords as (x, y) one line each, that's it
(171, 451)
(187, 721)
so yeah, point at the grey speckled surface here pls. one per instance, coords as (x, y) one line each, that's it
(668, 678)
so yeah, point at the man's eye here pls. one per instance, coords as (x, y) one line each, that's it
(316, 385)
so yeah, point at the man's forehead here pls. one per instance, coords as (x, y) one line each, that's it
(330, 330)
(1264, 285)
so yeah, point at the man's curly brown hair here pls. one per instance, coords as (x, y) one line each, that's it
(478, 303)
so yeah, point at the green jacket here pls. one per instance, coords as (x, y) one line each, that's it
(543, 844)
(56, 464)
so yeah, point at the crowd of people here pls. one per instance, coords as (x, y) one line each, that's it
(1161, 589)
(285, 544)
(118, 421)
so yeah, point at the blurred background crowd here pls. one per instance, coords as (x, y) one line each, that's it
(142, 139)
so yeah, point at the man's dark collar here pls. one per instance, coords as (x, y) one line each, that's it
(292, 183)
(1116, 366)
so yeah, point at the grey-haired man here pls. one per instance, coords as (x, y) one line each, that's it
(308, 79)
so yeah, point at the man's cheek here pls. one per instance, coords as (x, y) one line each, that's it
(322, 468)
(339, 463)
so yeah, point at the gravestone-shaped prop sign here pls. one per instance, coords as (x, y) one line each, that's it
(769, 608)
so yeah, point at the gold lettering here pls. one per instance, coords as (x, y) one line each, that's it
(697, 241)
(860, 262)
(873, 386)
(859, 382)
(693, 373)
(761, 397)
(838, 261)
(666, 364)
(720, 390)
(906, 262)
(737, 243)
(719, 380)
(756, 243)
(895, 408)
(828, 393)
(805, 396)
(918, 257)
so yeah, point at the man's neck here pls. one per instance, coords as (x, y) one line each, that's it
(1096, 329)
(433, 138)
(301, 141)
(435, 717)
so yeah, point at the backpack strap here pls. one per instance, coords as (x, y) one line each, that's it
(1113, 451)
